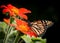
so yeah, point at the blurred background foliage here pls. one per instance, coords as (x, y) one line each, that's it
(41, 10)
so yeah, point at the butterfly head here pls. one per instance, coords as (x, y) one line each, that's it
(48, 23)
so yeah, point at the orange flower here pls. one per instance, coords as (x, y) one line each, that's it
(15, 11)
(24, 28)
(7, 20)
(8, 9)
(22, 24)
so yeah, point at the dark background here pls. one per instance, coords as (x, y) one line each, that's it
(44, 10)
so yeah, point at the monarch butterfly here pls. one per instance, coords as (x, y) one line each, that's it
(40, 26)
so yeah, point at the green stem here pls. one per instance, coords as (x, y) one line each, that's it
(6, 39)
(17, 38)
(6, 34)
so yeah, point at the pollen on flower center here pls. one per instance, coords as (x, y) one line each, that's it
(15, 10)
(23, 28)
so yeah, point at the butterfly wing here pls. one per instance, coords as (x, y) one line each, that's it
(40, 26)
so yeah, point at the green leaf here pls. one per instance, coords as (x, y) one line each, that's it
(1, 29)
(27, 39)
(38, 40)
(3, 26)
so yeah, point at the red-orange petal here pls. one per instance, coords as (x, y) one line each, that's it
(31, 33)
(23, 16)
(24, 10)
(3, 6)
(5, 10)
(7, 20)
(18, 21)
